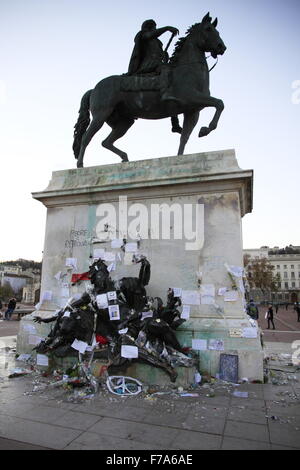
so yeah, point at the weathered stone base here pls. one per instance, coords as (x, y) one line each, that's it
(249, 350)
(219, 193)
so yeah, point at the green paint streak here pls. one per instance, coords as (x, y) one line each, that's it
(91, 224)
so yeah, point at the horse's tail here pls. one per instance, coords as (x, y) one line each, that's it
(82, 122)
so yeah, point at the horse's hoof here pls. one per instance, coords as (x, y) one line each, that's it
(177, 129)
(204, 131)
(125, 159)
(80, 165)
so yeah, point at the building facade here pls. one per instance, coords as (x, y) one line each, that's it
(24, 282)
(286, 262)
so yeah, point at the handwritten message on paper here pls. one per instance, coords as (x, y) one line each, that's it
(186, 310)
(190, 297)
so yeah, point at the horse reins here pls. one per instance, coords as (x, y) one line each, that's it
(214, 63)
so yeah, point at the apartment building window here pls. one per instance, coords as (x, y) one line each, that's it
(278, 266)
(285, 266)
(286, 285)
(285, 275)
(292, 275)
(293, 284)
(292, 266)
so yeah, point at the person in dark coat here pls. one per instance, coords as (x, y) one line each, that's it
(297, 309)
(270, 316)
(10, 309)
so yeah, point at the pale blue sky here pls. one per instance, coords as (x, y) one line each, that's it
(52, 51)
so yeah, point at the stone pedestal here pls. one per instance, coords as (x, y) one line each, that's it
(187, 210)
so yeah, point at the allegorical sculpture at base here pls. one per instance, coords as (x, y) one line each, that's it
(155, 87)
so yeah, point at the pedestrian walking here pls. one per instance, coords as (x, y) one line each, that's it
(276, 308)
(10, 309)
(297, 309)
(270, 317)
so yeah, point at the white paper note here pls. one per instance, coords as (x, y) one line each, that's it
(231, 296)
(116, 243)
(109, 257)
(131, 247)
(207, 299)
(186, 310)
(131, 352)
(222, 290)
(66, 314)
(177, 291)
(42, 360)
(99, 252)
(101, 300)
(239, 394)
(58, 275)
(114, 312)
(207, 289)
(23, 357)
(79, 345)
(71, 263)
(199, 344)
(216, 344)
(235, 270)
(241, 286)
(123, 331)
(249, 332)
(147, 314)
(111, 295)
(190, 297)
(235, 332)
(65, 292)
(111, 267)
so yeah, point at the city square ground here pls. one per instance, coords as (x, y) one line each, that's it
(268, 418)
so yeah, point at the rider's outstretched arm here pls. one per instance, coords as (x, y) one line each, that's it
(159, 31)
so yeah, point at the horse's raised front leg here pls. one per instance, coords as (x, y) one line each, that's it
(190, 120)
(209, 101)
(118, 130)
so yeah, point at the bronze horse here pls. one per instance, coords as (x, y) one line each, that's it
(109, 102)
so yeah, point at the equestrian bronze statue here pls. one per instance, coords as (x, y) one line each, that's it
(155, 87)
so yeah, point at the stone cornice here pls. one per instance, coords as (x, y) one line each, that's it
(203, 172)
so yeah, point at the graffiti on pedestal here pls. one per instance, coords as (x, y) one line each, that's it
(79, 238)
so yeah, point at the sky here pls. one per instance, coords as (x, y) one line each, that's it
(52, 51)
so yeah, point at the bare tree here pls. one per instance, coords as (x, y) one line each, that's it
(260, 275)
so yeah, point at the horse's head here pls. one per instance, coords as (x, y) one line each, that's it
(210, 40)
